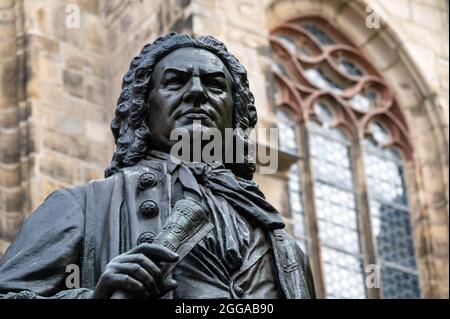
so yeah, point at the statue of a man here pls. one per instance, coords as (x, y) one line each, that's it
(108, 228)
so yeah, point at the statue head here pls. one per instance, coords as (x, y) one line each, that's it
(174, 81)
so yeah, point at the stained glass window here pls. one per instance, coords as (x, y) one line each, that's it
(336, 210)
(287, 139)
(365, 101)
(321, 80)
(350, 67)
(336, 90)
(288, 143)
(318, 33)
(391, 220)
(296, 207)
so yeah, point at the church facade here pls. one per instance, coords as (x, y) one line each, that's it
(358, 91)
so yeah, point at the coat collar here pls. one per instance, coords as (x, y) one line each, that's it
(244, 195)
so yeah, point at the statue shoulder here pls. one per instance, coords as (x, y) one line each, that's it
(91, 189)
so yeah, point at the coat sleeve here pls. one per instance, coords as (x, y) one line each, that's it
(306, 267)
(34, 266)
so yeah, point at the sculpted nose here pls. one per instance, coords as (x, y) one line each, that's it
(196, 93)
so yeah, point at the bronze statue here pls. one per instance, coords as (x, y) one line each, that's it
(154, 227)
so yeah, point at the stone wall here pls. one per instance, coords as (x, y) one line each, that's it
(57, 79)
(13, 126)
(422, 27)
(59, 86)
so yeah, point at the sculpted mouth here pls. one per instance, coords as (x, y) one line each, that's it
(199, 114)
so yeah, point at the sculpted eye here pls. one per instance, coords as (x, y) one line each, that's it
(176, 81)
(215, 85)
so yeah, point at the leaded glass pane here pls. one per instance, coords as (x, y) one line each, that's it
(287, 139)
(329, 150)
(318, 33)
(337, 214)
(322, 81)
(372, 95)
(324, 114)
(287, 42)
(385, 177)
(337, 236)
(399, 284)
(361, 103)
(349, 67)
(391, 222)
(392, 229)
(296, 203)
(337, 218)
(280, 69)
(299, 225)
(335, 195)
(343, 275)
(325, 171)
(380, 134)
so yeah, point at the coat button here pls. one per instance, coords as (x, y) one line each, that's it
(146, 181)
(148, 209)
(239, 291)
(146, 237)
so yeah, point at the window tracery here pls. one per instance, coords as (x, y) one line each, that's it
(348, 112)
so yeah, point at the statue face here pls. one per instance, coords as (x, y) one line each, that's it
(188, 85)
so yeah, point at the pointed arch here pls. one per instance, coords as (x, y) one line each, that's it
(404, 92)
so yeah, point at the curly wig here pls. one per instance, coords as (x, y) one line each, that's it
(129, 125)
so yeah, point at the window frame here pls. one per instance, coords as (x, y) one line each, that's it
(301, 102)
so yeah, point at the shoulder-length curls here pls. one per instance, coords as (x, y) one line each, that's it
(129, 126)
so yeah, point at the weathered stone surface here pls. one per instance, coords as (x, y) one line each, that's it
(58, 167)
(8, 84)
(10, 176)
(9, 154)
(73, 83)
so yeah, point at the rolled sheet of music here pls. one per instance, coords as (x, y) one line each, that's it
(186, 225)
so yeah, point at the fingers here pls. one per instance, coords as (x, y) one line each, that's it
(127, 284)
(143, 269)
(138, 273)
(158, 251)
(144, 262)
(169, 285)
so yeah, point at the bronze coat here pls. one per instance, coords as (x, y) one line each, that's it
(88, 225)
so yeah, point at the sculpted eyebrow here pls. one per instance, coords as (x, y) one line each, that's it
(218, 74)
(175, 71)
(215, 74)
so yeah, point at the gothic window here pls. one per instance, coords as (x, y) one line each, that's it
(288, 144)
(336, 212)
(390, 217)
(336, 113)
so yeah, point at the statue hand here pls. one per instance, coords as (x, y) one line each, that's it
(136, 273)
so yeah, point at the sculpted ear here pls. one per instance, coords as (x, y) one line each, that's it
(252, 115)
